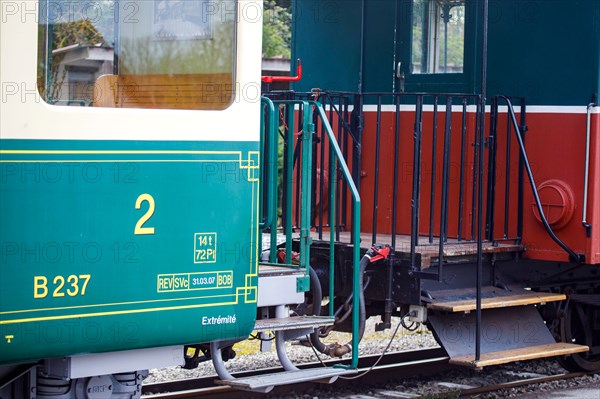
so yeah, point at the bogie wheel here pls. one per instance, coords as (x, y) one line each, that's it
(580, 326)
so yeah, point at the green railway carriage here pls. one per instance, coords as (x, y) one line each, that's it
(143, 171)
(129, 217)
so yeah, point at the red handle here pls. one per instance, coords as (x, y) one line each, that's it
(271, 79)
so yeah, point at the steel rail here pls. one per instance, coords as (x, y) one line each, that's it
(394, 366)
(403, 364)
(519, 383)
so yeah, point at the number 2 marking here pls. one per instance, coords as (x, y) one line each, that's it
(139, 227)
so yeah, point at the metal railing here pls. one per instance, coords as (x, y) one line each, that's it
(291, 124)
(430, 144)
(495, 138)
(573, 256)
(441, 169)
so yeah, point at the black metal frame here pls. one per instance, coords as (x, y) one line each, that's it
(492, 195)
(347, 109)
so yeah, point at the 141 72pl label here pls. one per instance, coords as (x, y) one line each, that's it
(205, 247)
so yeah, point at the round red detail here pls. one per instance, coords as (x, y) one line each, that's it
(557, 201)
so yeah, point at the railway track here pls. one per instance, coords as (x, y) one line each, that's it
(394, 366)
(468, 392)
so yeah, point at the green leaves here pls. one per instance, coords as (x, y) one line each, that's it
(277, 32)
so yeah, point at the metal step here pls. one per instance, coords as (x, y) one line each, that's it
(507, 334)
(266, 382)
(269, 270)
(491, 297)
(293, 323)
(513, 355)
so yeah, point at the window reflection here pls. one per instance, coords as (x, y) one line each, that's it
(438, 36)
(138, 53)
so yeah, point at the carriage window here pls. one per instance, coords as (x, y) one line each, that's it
(176, 54)
(438, 36)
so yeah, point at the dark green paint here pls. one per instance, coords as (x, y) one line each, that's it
(547, 51)
(74, 214)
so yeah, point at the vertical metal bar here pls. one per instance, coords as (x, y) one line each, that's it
(306, 189)
(463, 151)
(433, 168)
(416, 188)
(332, 189)
(271, 136)
(445, 184)
(521, 182)
(396, 171)
(321, 175)
(356, 275)
(347, 137)
(275, 194)
(289, 181)
(389, 303)
(344, 194)
(338, 211)
(282, 116)
(377, 155)
(298, 152)
(479, 231)
(340, 197)
(491, 183)
(484, 55)
(264, 167)
(313, 169)
(507, 178)
(357, 144)
(475, 173)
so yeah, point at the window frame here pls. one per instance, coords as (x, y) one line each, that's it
(45, 58)
(464, 81)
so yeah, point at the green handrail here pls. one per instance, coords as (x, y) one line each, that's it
(337, 156)
(336, 160)
(270, 135)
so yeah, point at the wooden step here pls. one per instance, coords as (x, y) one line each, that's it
(293, 323)
(491, 297)
(513, 355)
(266, 382)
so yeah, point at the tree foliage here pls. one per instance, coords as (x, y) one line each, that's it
(277, 32)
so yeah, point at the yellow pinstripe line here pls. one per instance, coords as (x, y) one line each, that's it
(115, 152)
(118, 312)
(244, 164)
(112, 304)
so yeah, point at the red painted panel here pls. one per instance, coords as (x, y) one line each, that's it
(405, 172)
(556, 148)
(593, 214)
